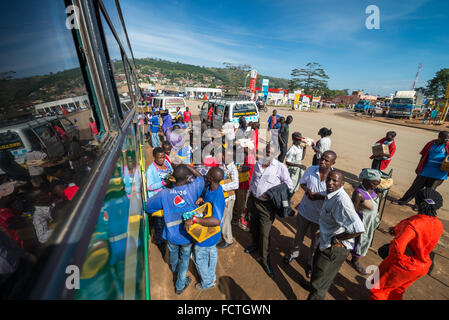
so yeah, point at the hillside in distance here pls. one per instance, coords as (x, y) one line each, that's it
(211, 77)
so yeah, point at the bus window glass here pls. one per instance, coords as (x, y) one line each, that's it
(112, 11)
(246, 109)
(39, 65)
(117, 66)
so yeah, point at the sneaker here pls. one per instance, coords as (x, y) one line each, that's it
(198, 286)
(223, 244)
(358, 268)
(188, 281)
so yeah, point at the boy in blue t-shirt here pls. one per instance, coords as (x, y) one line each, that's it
(205, 253)
(174, 202)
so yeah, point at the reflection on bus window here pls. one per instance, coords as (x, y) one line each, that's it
(46, 150)
(113, 267)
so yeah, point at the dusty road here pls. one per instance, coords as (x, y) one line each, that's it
(239, 276)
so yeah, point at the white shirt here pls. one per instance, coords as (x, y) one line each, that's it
(264, 179)
(310, 209)
(337, 216)
(229, 130)
(324, 144)
(232, 172)
(294, 154)
(35, 155)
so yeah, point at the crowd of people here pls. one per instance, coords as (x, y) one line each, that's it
(251, 191)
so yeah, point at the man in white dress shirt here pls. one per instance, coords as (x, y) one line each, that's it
(268, 173)
(313, 183)
(339, 225)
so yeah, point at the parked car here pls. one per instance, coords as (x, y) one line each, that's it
(18, 137)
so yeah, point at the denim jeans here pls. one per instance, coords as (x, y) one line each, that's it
(205, 259)
(155, 141)
(158, 229)
(179, 262)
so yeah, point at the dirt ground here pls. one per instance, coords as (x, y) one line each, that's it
(239, 275)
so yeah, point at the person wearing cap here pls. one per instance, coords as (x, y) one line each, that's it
(409, 252)
(366, 204)
(295, 155)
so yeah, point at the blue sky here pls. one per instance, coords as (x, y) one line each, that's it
(272, 36)
(276, 36)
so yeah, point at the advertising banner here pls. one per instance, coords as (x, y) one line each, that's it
(253, 74)
(252, 85)
(265, 83)
(297, 96)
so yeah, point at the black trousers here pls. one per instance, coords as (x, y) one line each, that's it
(315, 161)
(283, 149)
(376, 164)
(420, 182)
(325, 267)
(261, 219)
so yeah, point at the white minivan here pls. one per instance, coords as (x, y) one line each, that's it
(228, 110)
(169, 103)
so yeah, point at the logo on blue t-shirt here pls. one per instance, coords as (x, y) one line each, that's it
(179, 201)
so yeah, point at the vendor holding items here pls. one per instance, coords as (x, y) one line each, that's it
(381, 163)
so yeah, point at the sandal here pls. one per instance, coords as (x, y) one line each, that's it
(358, 268)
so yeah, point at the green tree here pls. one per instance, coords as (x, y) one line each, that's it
(312, 78)
(329, 93)
(236, 74)
(436, 87)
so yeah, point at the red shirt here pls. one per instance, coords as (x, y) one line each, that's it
(70, 192)
(425, 154)
(167, 158)
(93, 127)
(187, 115)
(60, 132)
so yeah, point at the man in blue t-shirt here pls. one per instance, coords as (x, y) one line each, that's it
(174, 202)
(273, 121)
(428, 172)
(205, 253)
(154, 129)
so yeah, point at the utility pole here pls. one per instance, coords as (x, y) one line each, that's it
(416, 78)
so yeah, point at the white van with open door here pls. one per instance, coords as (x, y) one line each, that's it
(169, 103)
(225, 110)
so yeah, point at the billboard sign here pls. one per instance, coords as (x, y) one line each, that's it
(253, 74)
(265, 83)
